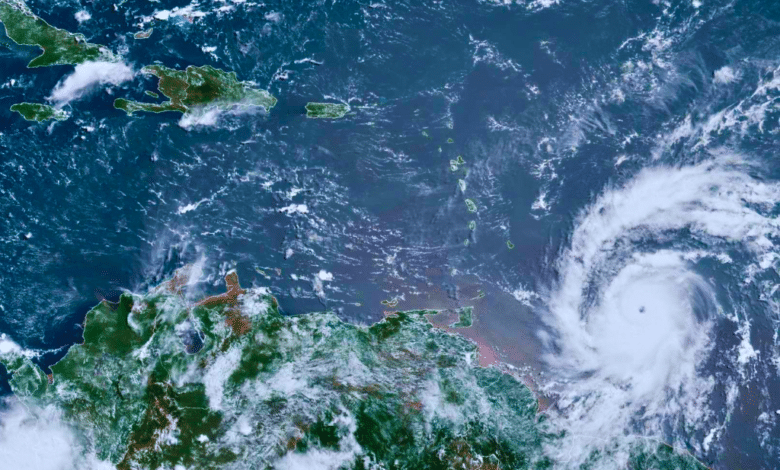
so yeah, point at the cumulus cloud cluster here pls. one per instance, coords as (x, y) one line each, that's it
(36, 439)
(88, 75)
(28, 442)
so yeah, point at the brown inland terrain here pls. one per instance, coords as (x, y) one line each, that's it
(239, 323)
(228, 298)
(491, 354)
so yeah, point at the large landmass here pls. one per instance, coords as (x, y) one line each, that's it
(60, 47)
(196, 88)
(230, 383)
(39, 112)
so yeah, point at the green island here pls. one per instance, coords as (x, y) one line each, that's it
(456, 163)
(465, 318)
(39, 112)
(60, 47)
(230, 383)
(326, 110)
(198, 88)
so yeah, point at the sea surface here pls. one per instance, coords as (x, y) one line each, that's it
(622, 158)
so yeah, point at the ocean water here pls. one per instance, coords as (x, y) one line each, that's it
(625, 151)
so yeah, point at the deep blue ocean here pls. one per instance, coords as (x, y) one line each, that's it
(625, 148)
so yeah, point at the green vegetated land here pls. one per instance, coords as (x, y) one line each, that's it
(231, 383)
(39, 112)
(60, 47)
(465, 318)
(195, 88)
(198, 88)
(326, 110)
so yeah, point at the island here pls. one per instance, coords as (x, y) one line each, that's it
(465, 318)
(229, 381)
(60, 47)
(198, 88)
(326, 110)
(39, 112)
(145, 34)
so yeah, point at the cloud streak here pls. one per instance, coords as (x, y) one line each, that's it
(88, 75)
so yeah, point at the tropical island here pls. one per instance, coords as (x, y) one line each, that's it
(39, 112)
(192, 90)
(197, 88)
(145, 34)
(326, 110)
(60, 47)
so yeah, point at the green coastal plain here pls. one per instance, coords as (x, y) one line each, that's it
(198, 88)
(39, 112)
(231, 383)
(60, 47)
(326, 110)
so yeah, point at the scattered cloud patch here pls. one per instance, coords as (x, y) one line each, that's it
(202, 118)
(273, 16)
(82, 16)
(188, 12)
(724, 75)
(36, 439)
(325, 275)
(293, 208)
(88, 75)
(8, 346)
(317, 282)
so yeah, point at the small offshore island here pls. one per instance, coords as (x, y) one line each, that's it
(39, 112)
(198, 88)
(145, 34)
(228, 382)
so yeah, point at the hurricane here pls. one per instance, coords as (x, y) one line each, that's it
(642, 320)
(494, 234)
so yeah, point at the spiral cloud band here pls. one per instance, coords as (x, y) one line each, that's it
(633, 320)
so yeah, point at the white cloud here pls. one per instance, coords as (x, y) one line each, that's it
(204, 117)
(36, 439)
(293, 208)
(633, 325)
(724, 75)
(88, 75)
(7, 345)
(217, 375)
(273, 16)
(27, 442)
(82, 16)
